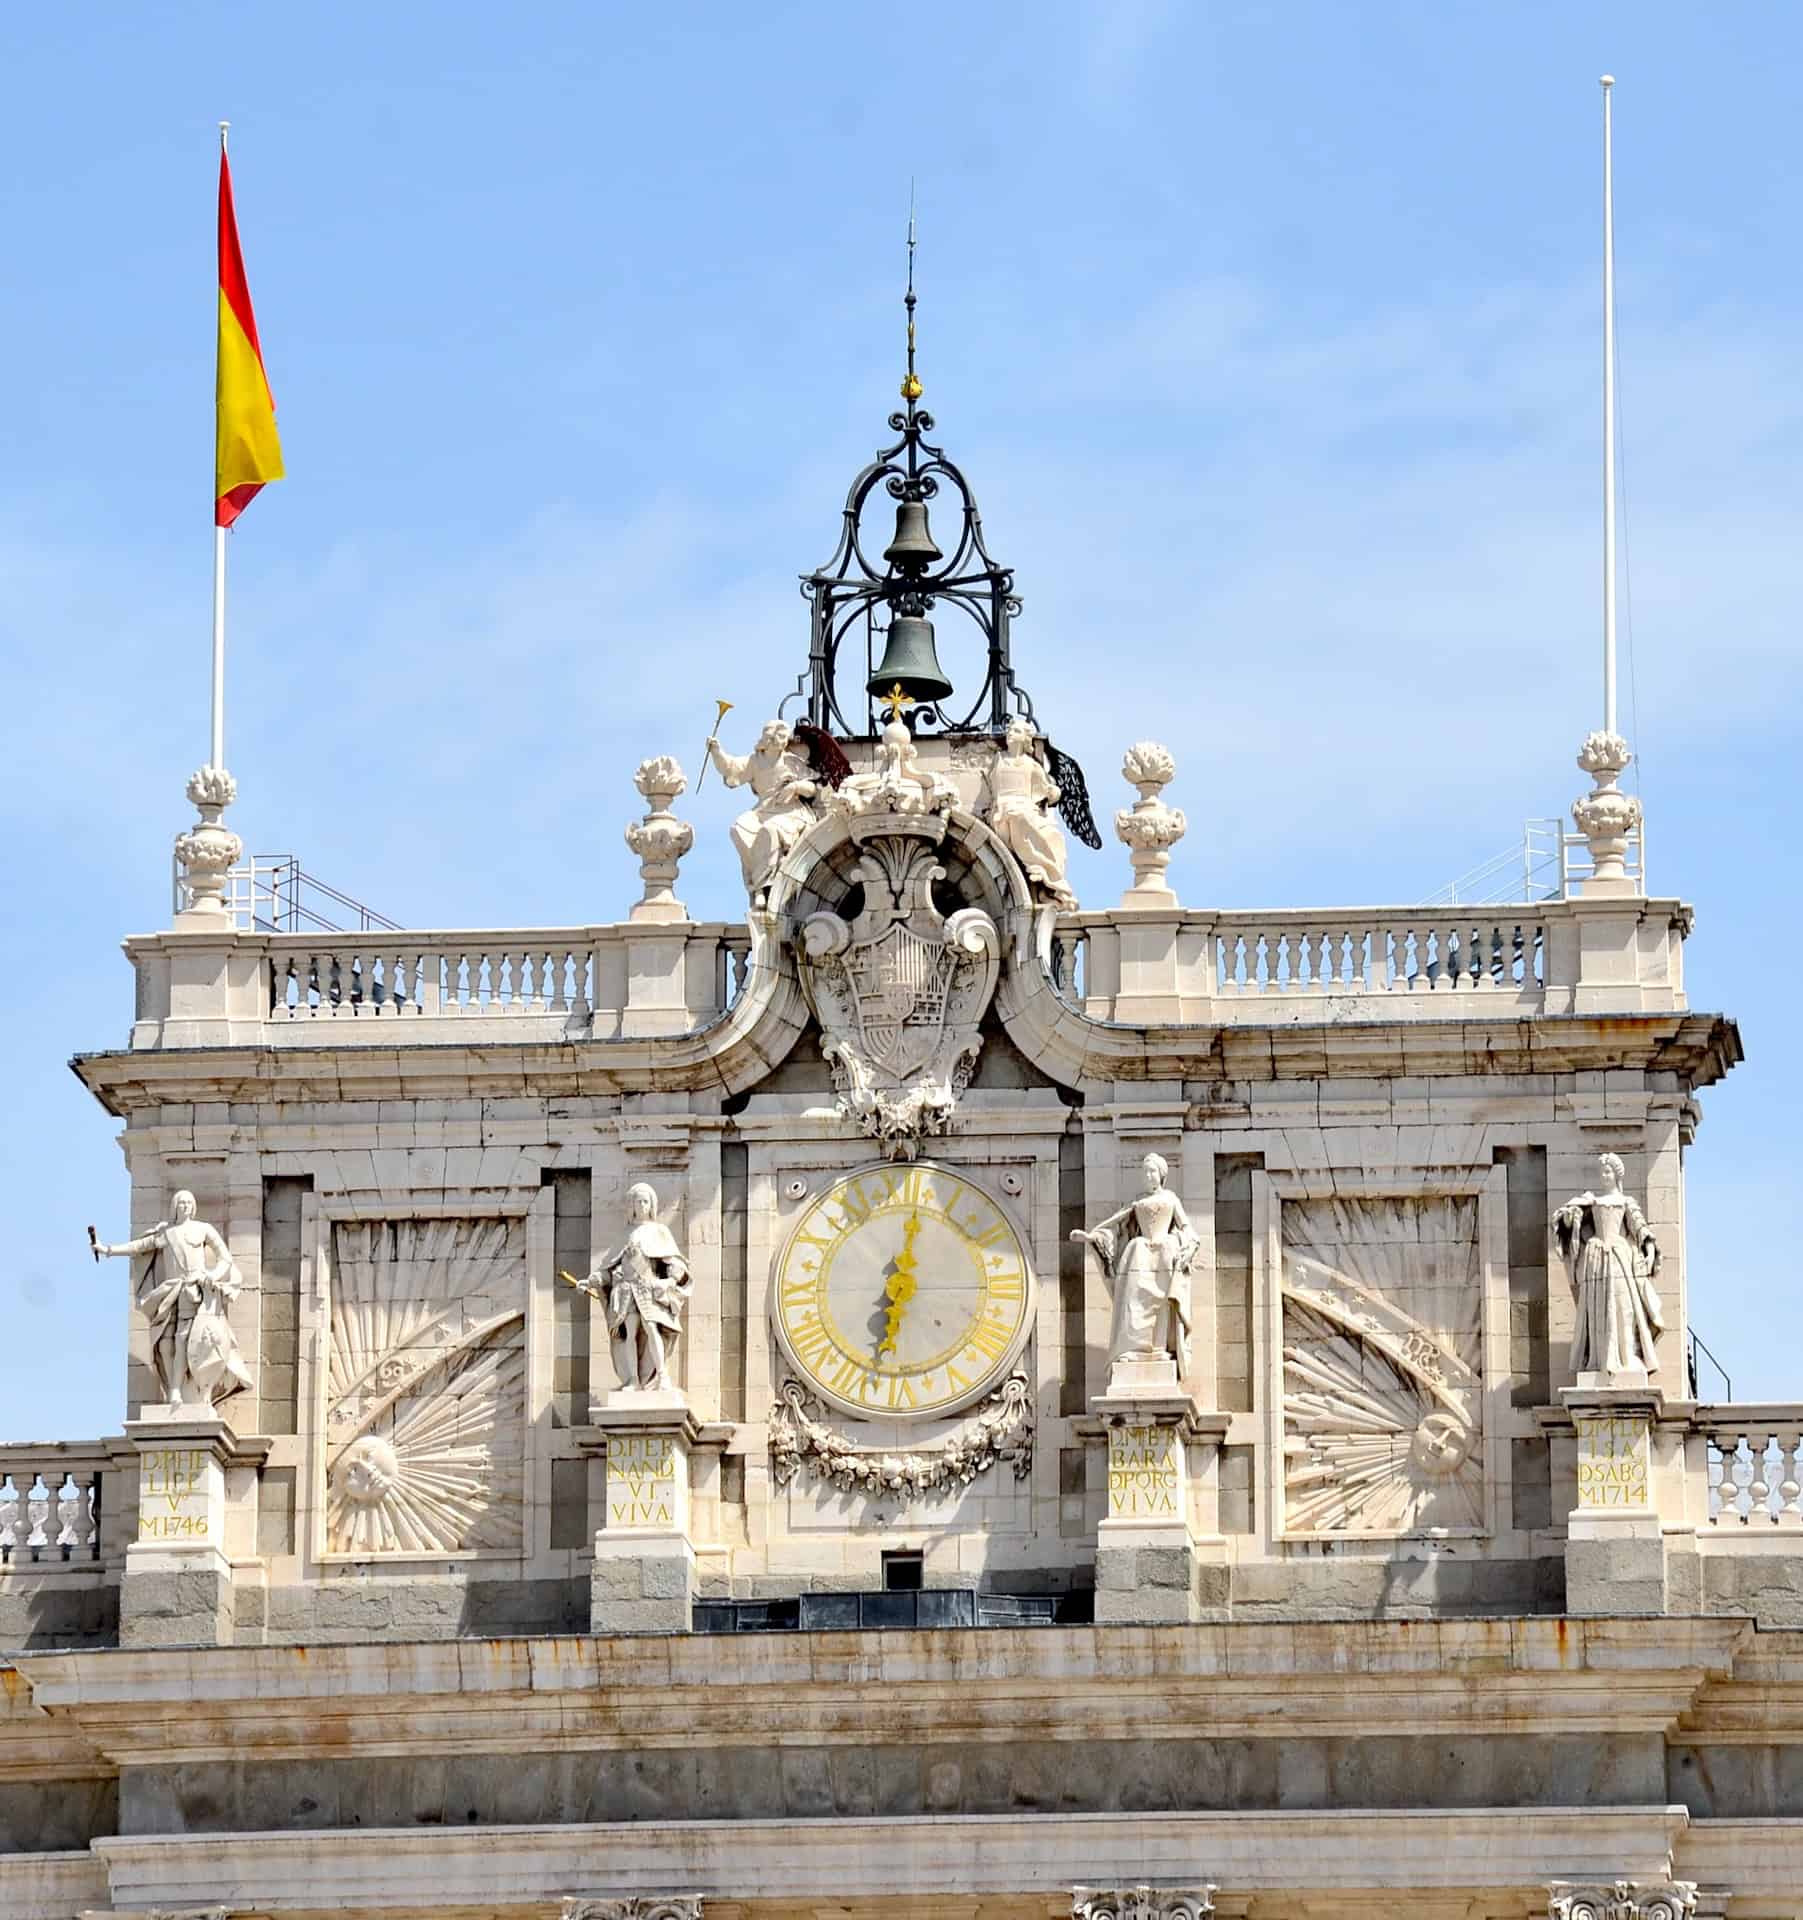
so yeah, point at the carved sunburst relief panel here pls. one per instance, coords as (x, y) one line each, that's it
(1382, 1366)
(426, 1387)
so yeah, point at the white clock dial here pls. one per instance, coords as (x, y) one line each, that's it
(903, 1290)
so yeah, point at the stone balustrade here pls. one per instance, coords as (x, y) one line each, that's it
(1249, 968)
(378, 987)
(50, 1505)
(1754, 1470)
(1141, 967)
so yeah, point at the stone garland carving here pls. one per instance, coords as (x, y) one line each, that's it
(650, 1906)
(1623, 1900)
(900, 993)
(209, 849)
(660, 840)
(426, 1386)
(1149, 829)
(184, 1293)
(1143, 1903)
(1612, 1257)
(1002, 1431)
(644, 1287)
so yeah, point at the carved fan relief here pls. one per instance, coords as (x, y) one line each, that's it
(1382, 1408)
(426, 1387)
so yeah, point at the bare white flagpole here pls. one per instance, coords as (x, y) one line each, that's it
(1608, 82)
(217, 758)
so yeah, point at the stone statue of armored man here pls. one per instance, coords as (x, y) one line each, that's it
(644, 1287)
(190, 1278)
(1612, 1258)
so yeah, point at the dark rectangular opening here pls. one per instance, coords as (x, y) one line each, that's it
(903, 1572)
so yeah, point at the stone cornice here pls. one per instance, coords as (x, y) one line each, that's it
(1699, 1048)
(1348, 1679)
(528, 1870)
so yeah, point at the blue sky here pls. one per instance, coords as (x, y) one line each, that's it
(1267, 335)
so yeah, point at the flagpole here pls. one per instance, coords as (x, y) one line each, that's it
(217, 758)
(1608, 82)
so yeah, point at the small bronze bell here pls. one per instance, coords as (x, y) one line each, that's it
(910, 660)
(913, 549)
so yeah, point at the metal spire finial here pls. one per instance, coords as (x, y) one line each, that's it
(910, 387)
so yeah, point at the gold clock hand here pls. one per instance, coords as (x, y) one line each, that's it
(900, 1289)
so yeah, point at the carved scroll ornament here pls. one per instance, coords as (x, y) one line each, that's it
(1002, 1431)
(1624, 1900)
(1142, 1903)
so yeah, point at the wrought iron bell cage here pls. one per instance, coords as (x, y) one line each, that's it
(853, 600)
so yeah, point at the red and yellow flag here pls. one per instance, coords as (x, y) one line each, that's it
(249, 453)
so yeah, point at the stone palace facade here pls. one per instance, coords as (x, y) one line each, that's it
(925, 1399)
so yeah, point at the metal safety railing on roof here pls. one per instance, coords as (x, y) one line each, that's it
(274, 893)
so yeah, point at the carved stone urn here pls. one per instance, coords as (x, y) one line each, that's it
(1149, 829)
(660, 839)
(1606, 816)
(209, 849)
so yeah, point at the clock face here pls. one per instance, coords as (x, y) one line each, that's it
(903, 1290)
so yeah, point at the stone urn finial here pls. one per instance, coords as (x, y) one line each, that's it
(1606, 816)
(1149, 829)
(209, 849)
(660, 839)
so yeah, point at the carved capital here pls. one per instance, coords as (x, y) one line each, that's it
(1623, 1900)
(637, 1906)
(1143, 1902)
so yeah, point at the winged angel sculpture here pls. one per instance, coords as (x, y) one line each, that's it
(787, 772)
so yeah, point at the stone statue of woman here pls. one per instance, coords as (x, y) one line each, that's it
(184, 1291)
(1148, 1247)
(647, 1288)
(1612, 1257)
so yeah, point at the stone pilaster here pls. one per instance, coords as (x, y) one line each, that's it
(177, 1585)
(644, 1573)
(1615, 1545)
(1152, 1565)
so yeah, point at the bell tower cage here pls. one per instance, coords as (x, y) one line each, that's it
(870, 625)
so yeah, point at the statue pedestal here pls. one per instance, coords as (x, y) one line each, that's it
(177, 1586)
(1153, 1565)
(1615, 1546)
(644, 1573)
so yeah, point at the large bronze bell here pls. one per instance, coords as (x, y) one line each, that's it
(913, 549)
(910, 659)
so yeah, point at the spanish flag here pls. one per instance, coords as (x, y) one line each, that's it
(249, 453)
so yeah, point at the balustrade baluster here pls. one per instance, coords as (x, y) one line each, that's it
(87, 1514)
(1759, 1491)
(37, 1512)
(1790, 1478)
(10, 1516)
(1723, 1494)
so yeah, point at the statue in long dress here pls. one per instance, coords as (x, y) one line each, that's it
(1612, 1258)
(1021, 798)
(644, 1288)
(1148, 1248)
(184, 1292)
(786, 772)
